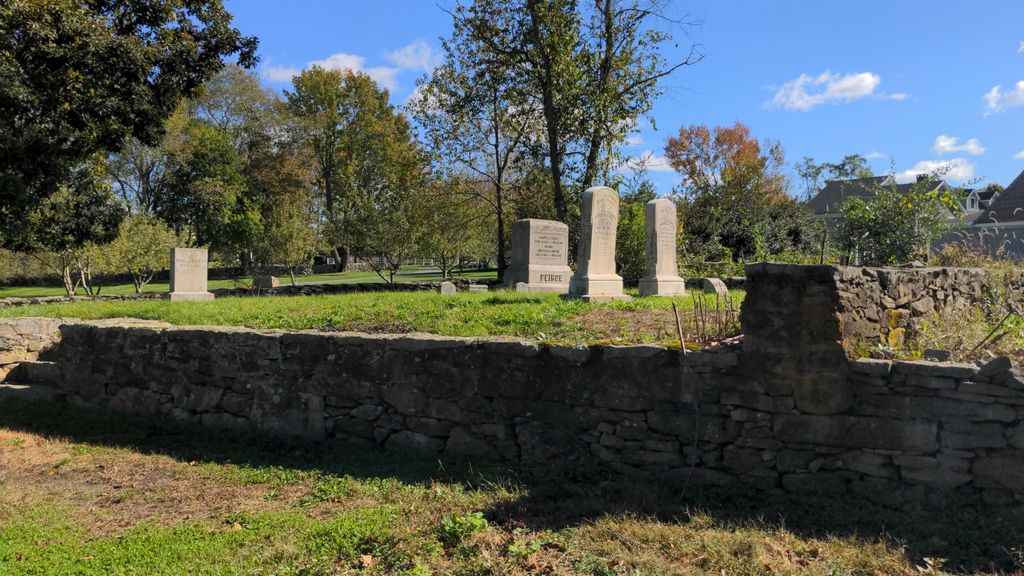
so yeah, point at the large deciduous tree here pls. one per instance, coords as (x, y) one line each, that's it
(734, 194)
(815, 175)
(79, 78)
(591, 67)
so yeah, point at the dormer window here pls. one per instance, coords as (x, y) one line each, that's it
(972, 202)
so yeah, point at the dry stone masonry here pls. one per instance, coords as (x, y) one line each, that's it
(787, 411)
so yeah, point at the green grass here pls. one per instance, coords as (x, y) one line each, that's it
(92, 493)
(410, 274)
(541, 317)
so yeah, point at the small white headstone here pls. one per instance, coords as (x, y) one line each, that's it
(595, 278)
(540, 256)
(714, 285)
(189, 268)
(478, 288)
(661, 277)
(522, 287)
(448, 289)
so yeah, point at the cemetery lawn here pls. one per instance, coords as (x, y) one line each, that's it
(540, 317)
(92, 493)
(410, 274)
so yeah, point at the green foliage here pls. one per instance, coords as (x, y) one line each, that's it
(815, 175)
(456, 530)
(206, 192)
(79, 79)
(333, 489)
(141, 249)
(896, 225)
(734, 196)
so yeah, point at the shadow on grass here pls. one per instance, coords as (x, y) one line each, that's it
(968, 538)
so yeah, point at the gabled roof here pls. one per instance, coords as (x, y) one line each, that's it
(829, 200)
(986, 194)
(1008, 206)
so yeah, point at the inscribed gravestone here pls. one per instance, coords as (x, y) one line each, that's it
(189, 268)
(540, 256)
(595, 278)
(661, 277)
(716, 286)
(447, 288)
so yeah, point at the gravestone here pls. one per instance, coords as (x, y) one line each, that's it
(540, 256)
(714, 285)
(447, 288)
(595, 278)
(478, 287)
(189, 267)
(661, 276)
(266, 282)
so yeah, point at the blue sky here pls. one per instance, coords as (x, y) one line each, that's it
(909, 84)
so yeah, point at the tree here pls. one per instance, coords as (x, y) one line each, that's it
(816, 175)
(62, 228)
(897, 223)
(79, 79)
(631, 238)
(733, 193)
(480, 124)
(205, 194)
(322, 102)
(593, 70)
(141, 249)
(456, 224)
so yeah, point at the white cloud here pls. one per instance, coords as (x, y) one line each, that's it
(634, 140)
(948, 145)
(1021, 49)
(416, 56)
(807, 92)
(382, 75)
(1019, 155)
(649, 160)
(874, 155)
(278, 73)
(996, 100)
(955, 169)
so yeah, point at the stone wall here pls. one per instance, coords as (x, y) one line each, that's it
(786, 412)
(870, 306)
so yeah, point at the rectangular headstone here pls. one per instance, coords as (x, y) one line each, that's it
(266, 282)
(189, 268)
(595, 278)
(540, 256)
(661, 276)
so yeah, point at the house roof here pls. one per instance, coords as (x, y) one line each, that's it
(986, 194)
(829, 200)
(1008, 206)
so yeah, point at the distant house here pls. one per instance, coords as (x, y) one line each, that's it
(997, 228)
(827, 204)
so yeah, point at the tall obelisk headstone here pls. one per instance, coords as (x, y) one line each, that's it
(189, 267)
(661, 277)
(595, 278)
(540, 256)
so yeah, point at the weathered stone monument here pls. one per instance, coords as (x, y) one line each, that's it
(595, 278)
(189, 267)
(661, 277)
(447, 288)
(266, 282)
(540, 256)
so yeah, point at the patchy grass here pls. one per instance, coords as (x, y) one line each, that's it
(541, 317)
(410, 274)
(969, 335)
(87, 492)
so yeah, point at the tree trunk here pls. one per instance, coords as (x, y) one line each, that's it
(499, 193)
(291, 272)
(69, 285)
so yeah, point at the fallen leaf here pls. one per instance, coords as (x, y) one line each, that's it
(86, 558)
(366, 561)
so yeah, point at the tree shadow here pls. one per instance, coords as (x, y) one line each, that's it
(968, 537)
